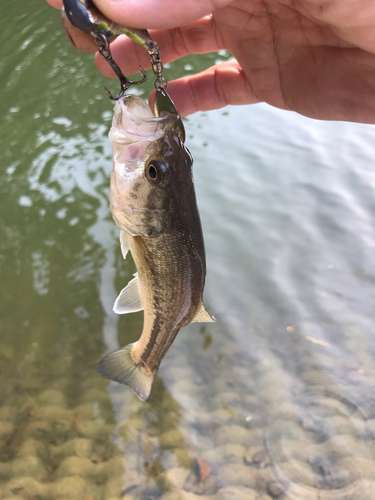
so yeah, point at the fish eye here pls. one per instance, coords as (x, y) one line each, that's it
(157, 172)
(152, 172)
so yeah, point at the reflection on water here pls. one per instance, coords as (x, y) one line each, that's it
(276, 399)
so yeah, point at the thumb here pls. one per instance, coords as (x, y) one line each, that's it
(151, 14)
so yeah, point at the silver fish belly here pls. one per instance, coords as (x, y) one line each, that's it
(153, 202)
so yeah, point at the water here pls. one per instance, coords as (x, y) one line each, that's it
(276, 399)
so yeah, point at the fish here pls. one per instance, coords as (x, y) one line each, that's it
(153, 202)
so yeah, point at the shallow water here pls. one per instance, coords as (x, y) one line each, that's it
(276, 399)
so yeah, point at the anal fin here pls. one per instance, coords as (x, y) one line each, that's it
(202, 316)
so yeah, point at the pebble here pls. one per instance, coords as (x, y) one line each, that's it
(345, 445)
(300, 473)
(323, 457)
(330, 475)
(114, 487)
(184, 387)
(274, 395)
(237, 475)
(183, 458)
(28, 466)
(289, 430)
(7, 413)
(259, 459)
(357, 467)
(131, 480)
(278, 489)
(276, 379)
(288, 411)
(52, 397)
(200, 480)
(171, 439)
(5, 471)
(34, 448)
(236, 493)
(218, 417)
(232, 434)
(38, 430)
(226, 453)
(95, 395)
(200, 487)
(115, 466)
(6, 429)
(60, 418)
(80, 447)
(86, 410)
(26, 487)
(364, 489)
(224, 399)
(286, 449)
(72, 488)
(77, 466)
(185, 495)
(6, 351)
(94, 430)
(176, 477)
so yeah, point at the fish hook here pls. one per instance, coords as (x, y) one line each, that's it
(103, 45)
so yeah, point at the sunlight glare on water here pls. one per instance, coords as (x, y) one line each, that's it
(276, 399)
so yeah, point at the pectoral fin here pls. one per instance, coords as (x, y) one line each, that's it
(125, 244)
(130, 299)
(202, 316)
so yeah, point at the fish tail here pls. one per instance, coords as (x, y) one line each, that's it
(121, 366)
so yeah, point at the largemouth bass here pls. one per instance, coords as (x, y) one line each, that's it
(153, 202)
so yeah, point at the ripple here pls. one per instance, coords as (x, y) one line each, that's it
(328, 452)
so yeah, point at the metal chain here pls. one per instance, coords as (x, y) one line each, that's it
(157, 65)
(102, 43)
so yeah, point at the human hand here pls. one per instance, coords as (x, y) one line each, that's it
(315, 57)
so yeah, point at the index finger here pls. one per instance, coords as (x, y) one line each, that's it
(55, 3)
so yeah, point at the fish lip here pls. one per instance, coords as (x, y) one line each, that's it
(156, 118)
(131, 124)
(164, 106)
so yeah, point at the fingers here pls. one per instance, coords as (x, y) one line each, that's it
(153, 14)
(214, 88)
(55, 3)
(196, 38)
(80, 40)
(158, 14)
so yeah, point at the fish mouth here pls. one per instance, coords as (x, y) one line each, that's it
(134, 120)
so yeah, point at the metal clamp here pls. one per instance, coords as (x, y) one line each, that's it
(157, 65)
(103, 45)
